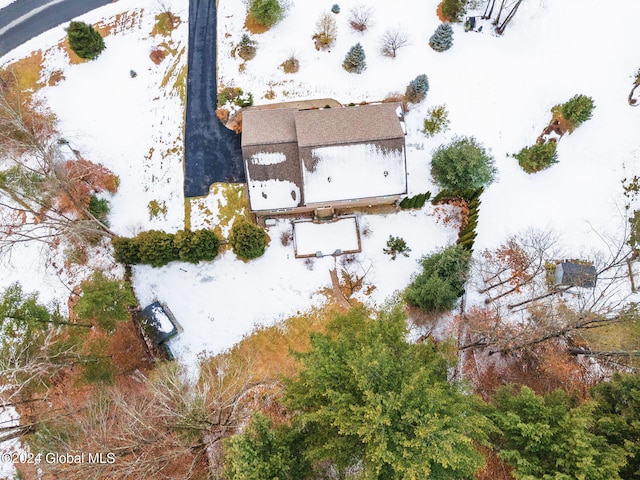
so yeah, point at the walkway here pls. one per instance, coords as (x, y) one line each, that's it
(212, 152)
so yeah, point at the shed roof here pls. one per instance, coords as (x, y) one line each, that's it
(334, 126)
(268, 126)
(158, 323)
(578, 275)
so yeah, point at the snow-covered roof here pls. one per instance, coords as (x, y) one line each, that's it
(300, 157)
(326, 238)
(346, 172)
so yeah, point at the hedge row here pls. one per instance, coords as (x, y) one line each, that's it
(467, 235)
(417, 201)
(157, 248)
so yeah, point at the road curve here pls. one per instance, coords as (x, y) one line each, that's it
(23, 20)
(212, 152)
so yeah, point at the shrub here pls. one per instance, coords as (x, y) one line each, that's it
(244, 100)
(462, 165)
(335, 8)
(537, 157)
(247, 240)
(126, 250)
(454, 10)
(437, 120)
(196, 246)
(395, 246)
(360, 17)
(246, 48)
(266, 12)
(417, 201)
(228, 94)
(577, 110)
(467, 234)
(441, 282)
(326, 31)
(105, 301)
(291, 65)
(417, 89)
(156, 248)
(355, 61)
(99, 208)
(442, 39)
(84, 40)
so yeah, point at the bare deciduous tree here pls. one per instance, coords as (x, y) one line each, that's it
(392, 40)
(360, 17)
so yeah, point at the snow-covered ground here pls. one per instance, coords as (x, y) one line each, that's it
(498, 89)
(5, 3)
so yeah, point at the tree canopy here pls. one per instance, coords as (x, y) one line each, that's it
(369, 398)
(84, 40)
(462, 165)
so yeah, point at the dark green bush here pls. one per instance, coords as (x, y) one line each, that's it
(99, 208)
(156, 248)
(441, 282)
(395, 246)
(454, 10)
(537, 157)
(247, 240)
(196, 246)
(417, 201)
(462, 165)
(266, 12)
(84, 40)
(126, 250)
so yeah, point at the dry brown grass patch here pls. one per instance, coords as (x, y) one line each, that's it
(290, 65)
(26, 71)
(253, 26)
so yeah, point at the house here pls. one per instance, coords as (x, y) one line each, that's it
(158, 324)
(299, 161)
(575, 275)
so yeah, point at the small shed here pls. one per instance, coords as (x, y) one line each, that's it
(158, 323)
(575, 274)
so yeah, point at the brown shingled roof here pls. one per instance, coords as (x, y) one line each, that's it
(332, 126)
(264, 127)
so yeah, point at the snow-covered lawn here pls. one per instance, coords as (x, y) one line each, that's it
(309, 238)
(498, 89)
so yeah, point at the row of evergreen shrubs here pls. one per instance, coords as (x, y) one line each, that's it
(467, 234)
(157, 248)
(417, 201)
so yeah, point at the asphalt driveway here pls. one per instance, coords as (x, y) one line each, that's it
(212, 152)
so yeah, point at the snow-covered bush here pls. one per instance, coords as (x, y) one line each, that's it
(462, 165)
(417, 89)
(436, 121)
(360, 17)
(442, 39)
(326, 31)
(537, 157)
(355, 60)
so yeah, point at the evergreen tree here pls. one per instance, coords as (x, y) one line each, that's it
(196, 246)
(156, 248)
(247, 240)
(617, 418)
(454, 10)
(442, 39)
(369, 399)
(84, 40)
(105, 301)
(577, 110)
(266, 12)
(552, 437)
(417, 89)
(537, 157)
(462, 165)
(355, 62)
(441, 282)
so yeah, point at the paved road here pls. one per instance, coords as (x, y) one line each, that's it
(25, 19)
(212, 152)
